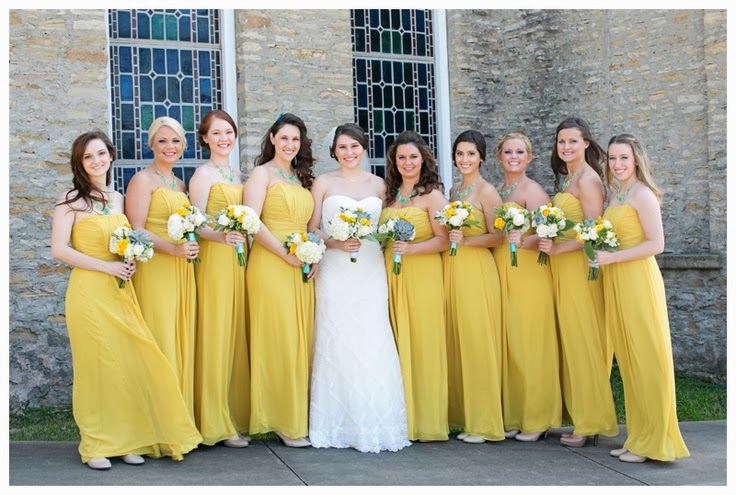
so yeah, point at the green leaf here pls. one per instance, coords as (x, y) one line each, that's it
(588, 250)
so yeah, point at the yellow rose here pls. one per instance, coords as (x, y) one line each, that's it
(122, 246)
(499, 223)
(545, 212)
(292, 249)
(186, 204)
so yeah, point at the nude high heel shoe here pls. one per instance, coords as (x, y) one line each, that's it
(100, 463)
(577, 441)
(293, 442)
(133, 459)
(618, 452)
(531, 437)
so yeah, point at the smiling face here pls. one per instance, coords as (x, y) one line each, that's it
(621, 162)
(409, 161)
(467, 157)
(348, 152)
(167, 145)
(571, 146)
(286, 143)
(514, 156)
(220, 137)
(96, 160)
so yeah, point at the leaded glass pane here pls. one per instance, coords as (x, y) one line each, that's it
(175, 72)
(393, 71)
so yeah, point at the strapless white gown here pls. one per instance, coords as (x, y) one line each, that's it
(357, 395)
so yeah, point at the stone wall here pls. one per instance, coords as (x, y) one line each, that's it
(658, 74)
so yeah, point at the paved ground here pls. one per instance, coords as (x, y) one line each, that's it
(505, 463)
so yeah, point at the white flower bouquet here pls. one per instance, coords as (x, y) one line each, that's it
(396, 229)
(512, 218)
(596, 234)
(549, 221)
(308, 247)
(455, 216)
(350, 223)
(238, 218)
(131, 245)
(186, 222)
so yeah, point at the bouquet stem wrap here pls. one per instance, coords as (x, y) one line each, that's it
(514, 260)
(354, 257)
(542, 259)
(397, 264)
(192, 237)
(305, 272)
(240, 249)
(453, 248)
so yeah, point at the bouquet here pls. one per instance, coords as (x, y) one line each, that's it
(132, 245)
(351, 223)
(512, 218)
(455, 216)
(398, 229)
(187, 220)
(242, 219)
(596, 234)
(308, 247)
(549, 222)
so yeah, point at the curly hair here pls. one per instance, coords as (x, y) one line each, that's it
(429, 178)
(83, 185)
(595, 155)
(303, 162)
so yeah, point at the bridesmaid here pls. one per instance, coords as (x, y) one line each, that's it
(165, 284)
(473, 303)
(586, 354)
(636, 307)
(221, 374)
(126, 398)
(532, 400)
(416, 297)
(281, 306)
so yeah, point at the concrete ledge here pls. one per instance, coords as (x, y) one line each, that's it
(689, 261)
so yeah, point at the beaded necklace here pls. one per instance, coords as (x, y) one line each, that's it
(621, 197)
(568, 181)
(291, 178)
(106, 209)
(461, 195)
(172, 184)
(505, 193)
(402, 199)
(229, 177)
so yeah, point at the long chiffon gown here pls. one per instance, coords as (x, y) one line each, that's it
(356, 395)
(221, 371)
(168, 296)
(532, 399)
(416, 309)
(586, 354)
(473, 321)
(281, 315)
(636, 317)
(126, 397)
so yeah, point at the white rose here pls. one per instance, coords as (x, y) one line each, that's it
(542, 231)
(593, 235)
(138, 249)
(456, 221)
(223, 220)
(518, 219)
(463, 214)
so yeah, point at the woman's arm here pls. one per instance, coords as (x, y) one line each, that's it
(489, 201)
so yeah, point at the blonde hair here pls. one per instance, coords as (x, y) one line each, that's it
(641, 160)
(516, 135)
(173, 124)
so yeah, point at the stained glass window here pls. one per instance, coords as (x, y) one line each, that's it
(393, 75)
(162, 63)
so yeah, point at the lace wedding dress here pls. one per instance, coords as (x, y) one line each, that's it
(356, 396)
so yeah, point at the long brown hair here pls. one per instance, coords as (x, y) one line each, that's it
(84, 188)
(351, 130)
(429, 178)
(595, 155)
(303, 162)
(641, 160)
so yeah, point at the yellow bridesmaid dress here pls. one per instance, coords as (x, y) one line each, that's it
(586, 354)
(281, 315)
(636, 317)
(532, 399)
(168, 296)
(416, 309)
(473, 324)
(221, 389)
(126, 397)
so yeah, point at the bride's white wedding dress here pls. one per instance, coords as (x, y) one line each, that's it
(356, 395)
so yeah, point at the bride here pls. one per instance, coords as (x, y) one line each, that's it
(357, 396)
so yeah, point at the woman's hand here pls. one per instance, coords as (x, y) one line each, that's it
(121, 270)
(349, 245)
(514, 237)
(188, 250)
(292, 260)
(604, 258)
(547, 246)
(456, 236)
(313, 269)
(232, 238)
(402, 247)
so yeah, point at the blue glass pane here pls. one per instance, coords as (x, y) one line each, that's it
(126, 88)
(374, 18)
(144, 27)
(127, 119)
(123, 24)
(398, 73)
(389, 122)
(388, 97)
(128, 145)
(421, 45)
(407, 43)
(423, 99)
(406, 19)
(205, 109)
(202, 12)
(385, 18)
(185, 28)
(361, 74)
(159, 111)
(390, 140)
(175, 113)
(146, 116)
(187, 119)
(172, 61)
(420, 21)
(128, 174)
(409, 96)
(186, 62)
(379, 147)
(399, 122)
(395, 19)
(386, 66)
(146, 88)
(375, 41)
(363, 96)
(187, 89)
(159, 61)
(359, 40)
(422, 69)
(171, 27)
(159, 88)
(147, 154)
(424, 123)
(144, 60)
(363, 119)
(203, 30)
(398, 97)
(157, 26)
(126, 59)
(204, 63)
(189, 152)
(359, 17)
(377, 96)
(205, 91)
(173, 89)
